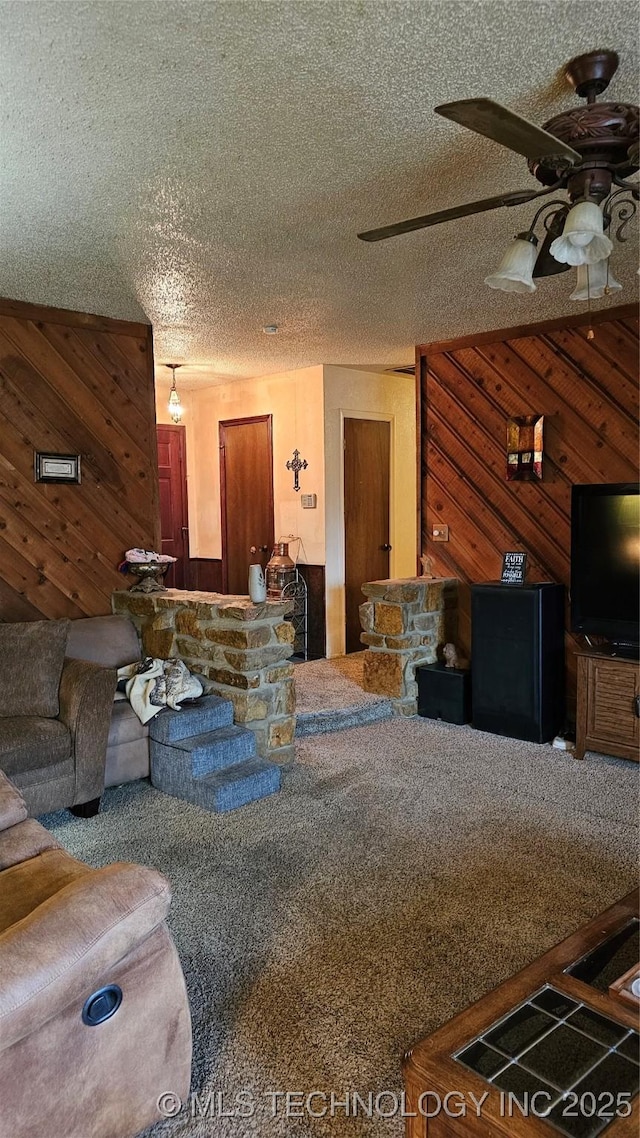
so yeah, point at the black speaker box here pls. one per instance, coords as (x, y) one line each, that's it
(444, 693)
(517, 660)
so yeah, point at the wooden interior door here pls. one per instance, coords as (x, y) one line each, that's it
(246, 492)
(174, 520)
(367, 450)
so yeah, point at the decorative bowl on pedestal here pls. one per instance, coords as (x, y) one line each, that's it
(149, 576)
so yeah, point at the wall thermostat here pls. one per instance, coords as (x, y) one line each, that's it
(308, 501)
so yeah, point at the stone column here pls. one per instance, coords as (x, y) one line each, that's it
(242, 649)
(404, 623)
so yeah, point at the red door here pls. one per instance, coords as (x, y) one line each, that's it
(174, 522)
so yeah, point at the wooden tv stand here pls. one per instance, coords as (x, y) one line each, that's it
(540, 1029)
(608, 709)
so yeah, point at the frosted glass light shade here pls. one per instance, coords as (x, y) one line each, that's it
(515, 271)
(175, 406)
(593, 283)
(582, 241)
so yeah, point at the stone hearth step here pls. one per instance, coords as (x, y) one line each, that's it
(342, 718)
(199, 754)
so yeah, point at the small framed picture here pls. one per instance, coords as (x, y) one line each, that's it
(57, 467)
(514, 568)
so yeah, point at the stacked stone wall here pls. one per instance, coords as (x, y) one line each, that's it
(405, 623)
(241, 648)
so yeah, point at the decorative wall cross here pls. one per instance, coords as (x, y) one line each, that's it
(297, 464)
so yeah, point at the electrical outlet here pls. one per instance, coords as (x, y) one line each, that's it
(440, 533)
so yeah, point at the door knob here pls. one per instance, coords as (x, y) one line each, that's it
(386, 548)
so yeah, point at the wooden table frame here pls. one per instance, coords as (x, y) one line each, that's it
(428, 1066)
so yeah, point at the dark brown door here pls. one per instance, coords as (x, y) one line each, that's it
(366, 514)
(246, 491)
(174, 521)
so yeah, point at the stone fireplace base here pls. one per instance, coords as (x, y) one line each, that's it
(405, 622)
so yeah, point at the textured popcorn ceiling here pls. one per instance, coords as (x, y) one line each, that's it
(207, 166)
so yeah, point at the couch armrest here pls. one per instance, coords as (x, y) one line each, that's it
(13, 808)
(63, 950)
(86, 704)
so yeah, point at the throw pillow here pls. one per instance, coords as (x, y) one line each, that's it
(31, 658)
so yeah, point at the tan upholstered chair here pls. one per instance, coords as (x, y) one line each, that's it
(54, 718)
(94, 1018)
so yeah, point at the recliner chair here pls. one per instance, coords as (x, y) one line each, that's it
(94, 1017)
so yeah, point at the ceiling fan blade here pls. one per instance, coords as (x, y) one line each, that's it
(492, 120)
(516, 197)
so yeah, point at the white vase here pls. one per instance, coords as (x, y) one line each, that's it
(257, 584)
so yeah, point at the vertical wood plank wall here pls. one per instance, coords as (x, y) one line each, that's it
(467, 389)
(73, 383)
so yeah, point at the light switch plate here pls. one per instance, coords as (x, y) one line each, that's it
(308, 501)
(440, 533)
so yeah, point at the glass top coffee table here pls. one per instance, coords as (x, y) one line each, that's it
(553, 1051)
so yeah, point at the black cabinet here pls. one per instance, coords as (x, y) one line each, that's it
(444, 693)
(517, 660)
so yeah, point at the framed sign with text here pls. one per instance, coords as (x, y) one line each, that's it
(56, 467)
(514, 568)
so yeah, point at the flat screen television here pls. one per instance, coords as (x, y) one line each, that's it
(605, 562)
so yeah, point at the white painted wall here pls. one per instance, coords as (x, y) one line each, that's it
(358, 394)
(294, 400)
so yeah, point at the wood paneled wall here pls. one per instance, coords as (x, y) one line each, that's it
(205, 574)
(467, 390)
(76, 384)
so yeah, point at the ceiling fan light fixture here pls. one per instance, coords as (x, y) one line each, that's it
(583, 240)
(595, 281)
(546, 265)
(515, 271)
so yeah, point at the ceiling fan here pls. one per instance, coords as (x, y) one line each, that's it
(585, 151)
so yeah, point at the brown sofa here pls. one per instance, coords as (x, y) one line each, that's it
(54, 718)
(112, 641)
(73, 942)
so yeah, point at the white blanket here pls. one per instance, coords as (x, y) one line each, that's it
(154, 684)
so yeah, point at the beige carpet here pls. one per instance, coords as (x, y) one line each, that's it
(325, 685)
(404, 870)
(330, 696)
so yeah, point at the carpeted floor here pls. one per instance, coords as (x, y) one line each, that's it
(330, 696)
(405, 869)
(324, 685)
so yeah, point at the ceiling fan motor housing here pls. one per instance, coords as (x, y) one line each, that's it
(603, 134)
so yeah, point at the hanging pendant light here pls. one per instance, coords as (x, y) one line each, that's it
(595, 281)
(515, 271)
(174, 405)
(583, 240)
